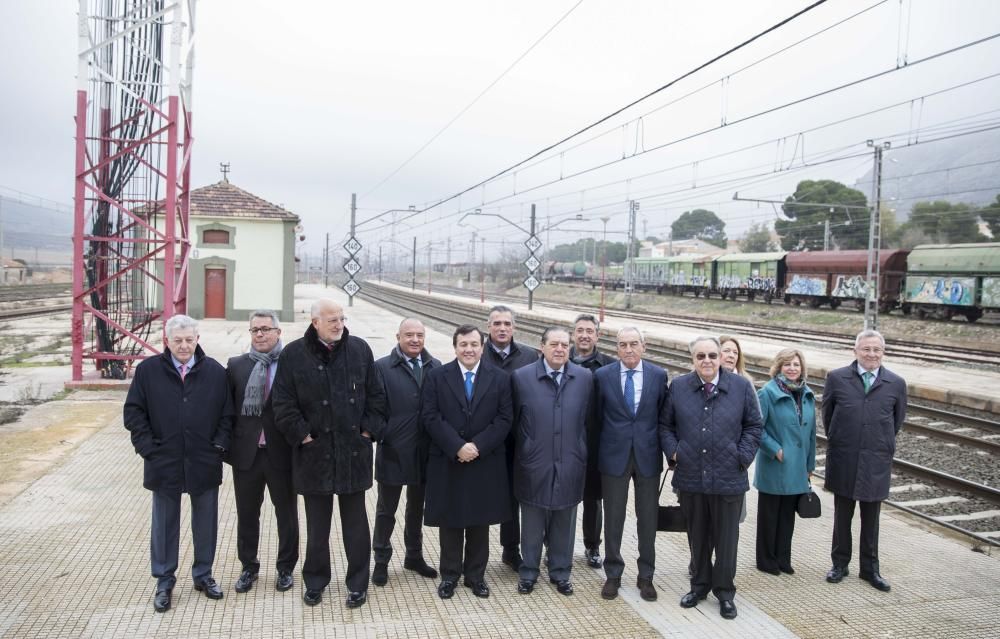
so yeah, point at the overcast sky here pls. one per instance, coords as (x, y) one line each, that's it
(311, 101)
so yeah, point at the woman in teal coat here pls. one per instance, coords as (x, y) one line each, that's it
(785, 459)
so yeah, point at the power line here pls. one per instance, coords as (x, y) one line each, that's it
(474, 100)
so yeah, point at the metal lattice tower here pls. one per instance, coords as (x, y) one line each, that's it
(133, 166)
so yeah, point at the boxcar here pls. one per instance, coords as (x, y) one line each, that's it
(944, 280)
(687, 273)
(650, 273)
(749, 275)
(833, 278)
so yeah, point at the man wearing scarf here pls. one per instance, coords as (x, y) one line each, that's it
(260, 456)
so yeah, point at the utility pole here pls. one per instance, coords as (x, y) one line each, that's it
(874, 238)
(379, 262)
(482, 269)
(447, 259)
(413, 272)
(531, 294)
(629, 264)
(326, 262)
(354, 209)
(430, 268)
(826, 235)
(604, 265)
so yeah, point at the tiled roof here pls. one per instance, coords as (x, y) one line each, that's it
(224, 199)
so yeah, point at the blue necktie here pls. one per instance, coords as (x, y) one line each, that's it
(468, 386)
(630, 391)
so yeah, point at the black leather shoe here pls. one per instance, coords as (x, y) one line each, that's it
(161, 602)
(646, 589)
(877, 582)
(479, 589)
(770, 571)
(312, 597)
(209, 587)
(593, 556)
(563, 586)
(788, 570)
(836, 574)
(691, 599)
(380, 575)
(727, 609)
(419, 566)
(357, 599)
(525, 587)
(446, 589)
(284, 581)
(513, 559)
(245, 582)
(610, 589)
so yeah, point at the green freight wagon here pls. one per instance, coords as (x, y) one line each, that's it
(750, 275)
(944, 280)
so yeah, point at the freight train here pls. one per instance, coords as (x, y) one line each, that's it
(936, 281)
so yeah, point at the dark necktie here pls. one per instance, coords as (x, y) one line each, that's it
(709, 387)
(630, 391)
(555, 377)
(468, 386)
(417, 369)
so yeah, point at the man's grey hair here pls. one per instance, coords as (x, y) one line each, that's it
(180, 323)
(868, 332)
(631, 329)
(318, 305)
(267, 314)
(500, 308)
(584, 317)
(703, 338)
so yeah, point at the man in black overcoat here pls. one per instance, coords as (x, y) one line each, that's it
(260, 456)
(586, 333)
(328, 404)
(401, 455)
(466, 411)
(864, 406)
(503, 352)
(180, 416)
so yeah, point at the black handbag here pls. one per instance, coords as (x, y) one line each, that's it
(808, 505)
(669, 518)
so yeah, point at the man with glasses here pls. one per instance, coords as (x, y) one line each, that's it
(329, 403)
(864, 406)
(260, 456)
(630, 397)
(711, 430)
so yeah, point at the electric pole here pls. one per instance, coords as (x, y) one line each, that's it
(326, 262)
(629, 264)
(413, 273)
(354, 209)
(531, 293)
(874, 239)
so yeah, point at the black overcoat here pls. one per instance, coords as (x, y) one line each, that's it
(401, 453)
(246, 432)
(550, 427)
(861, 431)
(176, 425)
(476, 493)
(332, 395)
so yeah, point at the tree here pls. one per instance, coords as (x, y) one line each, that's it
(757, 239)
(991, 215)
(701, 224)
(813, 203)
(946, 222)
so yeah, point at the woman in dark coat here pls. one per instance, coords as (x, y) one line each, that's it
(785, 459)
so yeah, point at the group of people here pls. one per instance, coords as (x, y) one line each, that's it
(503, 434)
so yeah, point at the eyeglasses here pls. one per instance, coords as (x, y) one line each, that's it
(701, 356)
(262, 330)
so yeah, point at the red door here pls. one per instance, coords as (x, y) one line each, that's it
(215, 293)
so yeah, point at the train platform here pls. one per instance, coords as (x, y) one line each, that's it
(74, 520)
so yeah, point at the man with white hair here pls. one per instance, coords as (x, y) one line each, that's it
(329, 403)
(180, 415)
(864, 406)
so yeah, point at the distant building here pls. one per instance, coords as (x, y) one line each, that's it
(14, 271)
(680, 247)
(242, 254)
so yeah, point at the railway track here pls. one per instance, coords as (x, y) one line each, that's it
(676, 360)
(28, 292)
(34, 311)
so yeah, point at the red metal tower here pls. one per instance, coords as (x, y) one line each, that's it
(133, 166)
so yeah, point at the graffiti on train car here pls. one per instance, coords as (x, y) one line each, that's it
(758, 283)
(991, 292)
(731, 281)
(954, 291)
(807, 286)
(852, 286)
(753, 283)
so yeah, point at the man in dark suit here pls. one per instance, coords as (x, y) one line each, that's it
(864, 406)
(260, 456)
(466, 411)
(630, 397)
(711, 429)
(401, 458)
(586, 333)
(180, 416)
(503, 352)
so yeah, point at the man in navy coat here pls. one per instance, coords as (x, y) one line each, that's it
(630, 398)
(466, 411)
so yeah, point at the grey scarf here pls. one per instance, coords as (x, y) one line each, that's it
(253, 396)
